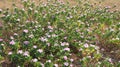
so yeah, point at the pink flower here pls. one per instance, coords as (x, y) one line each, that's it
(1, 40)
(110, 60)
(65, 38)
(50, 27)
(80, 49)
(71, 65)
(66, 49)
(43, 39)
(63, 44)
(48, 44)
(12, 42)
(26, 31)
(26, 53)
(26, 42)
(65, 57)
(50, 30)
(66, 63)
(86, 45)
(48, 36)
(42, 65)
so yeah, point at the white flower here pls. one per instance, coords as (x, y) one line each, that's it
(23, 9)
(64, 43)
(54, 35)
(49, 61)
(40, 50)
(36, 11)
(39, 25)
(43, 29)
(18, 66)
(67, 44)
(20, 52)
(55, 44)
(71, 60)
(31, 36)
(99, 62)
(117, 38)
(25, 0)
(43, 39)
(112, 30)
(56, 65)
(30, 8)
(11, 37)
(9, 53)
(34, 46)
(0, 10)
(48, 22)
(35, 60)
(36, 27)
(18, 19)
(15, 34)
(2, 44)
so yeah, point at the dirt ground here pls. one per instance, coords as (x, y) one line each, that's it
(8, 3)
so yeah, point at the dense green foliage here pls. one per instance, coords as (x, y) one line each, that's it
(59, 35)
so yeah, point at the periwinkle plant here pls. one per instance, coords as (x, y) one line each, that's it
(57, 34)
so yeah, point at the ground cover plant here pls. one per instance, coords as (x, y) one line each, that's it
(54, 34)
